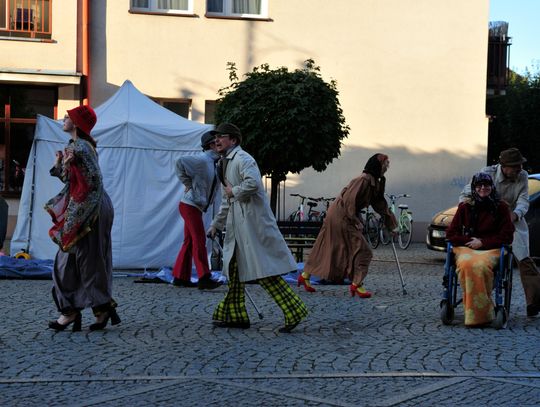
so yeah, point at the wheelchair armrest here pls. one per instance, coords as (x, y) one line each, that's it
(449, 255)
(506, 249)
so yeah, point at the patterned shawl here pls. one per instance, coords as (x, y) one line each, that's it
(76, 207)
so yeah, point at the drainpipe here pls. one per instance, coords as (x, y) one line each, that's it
(86, 48)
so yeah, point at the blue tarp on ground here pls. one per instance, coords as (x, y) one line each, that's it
(34, 269)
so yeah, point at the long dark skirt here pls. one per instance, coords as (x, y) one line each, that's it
(82, 277)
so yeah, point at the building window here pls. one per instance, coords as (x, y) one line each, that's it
(237, 8)
(163, 6)
(210, 111)
(26, 18)
(19, 106)
(179, 106)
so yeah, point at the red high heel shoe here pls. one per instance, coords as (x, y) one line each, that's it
(307, 286)
(360, 291)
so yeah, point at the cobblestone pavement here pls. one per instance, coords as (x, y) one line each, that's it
(388, 350)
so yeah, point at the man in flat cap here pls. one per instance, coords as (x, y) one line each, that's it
(198, 174)
(511, 182)
(254, 248)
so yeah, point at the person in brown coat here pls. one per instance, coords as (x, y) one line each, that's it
(341, 249)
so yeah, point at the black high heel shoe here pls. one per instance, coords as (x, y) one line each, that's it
(115, 320)
(77, 322)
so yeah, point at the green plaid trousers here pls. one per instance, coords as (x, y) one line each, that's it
(233, 307)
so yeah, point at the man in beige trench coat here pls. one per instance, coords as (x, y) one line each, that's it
(254, 248)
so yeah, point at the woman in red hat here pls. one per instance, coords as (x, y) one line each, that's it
(82, 215)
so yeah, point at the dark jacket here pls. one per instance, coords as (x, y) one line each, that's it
(493, 227)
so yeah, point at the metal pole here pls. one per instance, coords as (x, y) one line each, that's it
(254, 305)
(398, 266)
(32, 197)
(261, 316)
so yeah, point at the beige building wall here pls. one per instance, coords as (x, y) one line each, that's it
(59, 54)
(411, 76)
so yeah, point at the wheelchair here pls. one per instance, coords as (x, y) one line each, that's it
(502, 284)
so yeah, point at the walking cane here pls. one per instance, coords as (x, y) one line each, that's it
(261, 316)
(398, 266)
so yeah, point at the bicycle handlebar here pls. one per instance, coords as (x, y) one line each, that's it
(394, 198)
(309, 198)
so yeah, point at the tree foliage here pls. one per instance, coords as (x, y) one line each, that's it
(515, 119)
(290, 120)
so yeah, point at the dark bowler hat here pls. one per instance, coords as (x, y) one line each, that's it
(228, 128)
(207, 138)
(511, 157)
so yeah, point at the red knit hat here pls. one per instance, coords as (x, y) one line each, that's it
(83, 117)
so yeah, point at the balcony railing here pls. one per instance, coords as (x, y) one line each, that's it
(25, 18)
(498, 58)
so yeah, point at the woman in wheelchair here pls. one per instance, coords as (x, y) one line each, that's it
(479, 229)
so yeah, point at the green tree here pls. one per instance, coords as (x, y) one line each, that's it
(289, 120)
(515, 119)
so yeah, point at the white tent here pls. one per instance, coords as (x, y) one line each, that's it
(138, 144)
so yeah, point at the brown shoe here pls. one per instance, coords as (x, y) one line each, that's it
(533, 310)
(240, 325)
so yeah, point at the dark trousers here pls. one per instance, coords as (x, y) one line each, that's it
(530, 279)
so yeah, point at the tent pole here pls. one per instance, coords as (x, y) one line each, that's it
(32, 197)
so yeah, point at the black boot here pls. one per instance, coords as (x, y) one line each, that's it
(206, 283)
(109, 312)
(183, 283)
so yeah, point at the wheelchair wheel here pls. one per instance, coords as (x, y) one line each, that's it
(447, 313)
(508, 289)
(501, 318)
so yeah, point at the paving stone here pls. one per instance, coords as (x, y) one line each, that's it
(389, 349)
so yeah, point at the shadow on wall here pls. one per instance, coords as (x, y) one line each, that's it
(98, 55)
(433, 179)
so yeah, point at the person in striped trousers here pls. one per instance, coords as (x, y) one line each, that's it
(254, 249)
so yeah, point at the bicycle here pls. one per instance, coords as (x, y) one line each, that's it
(299, 216)
(371, 227)
(405, 223)
(326, 202)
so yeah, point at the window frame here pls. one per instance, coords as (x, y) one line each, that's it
(39, 26)
(153, 9)
(7, 121)
(227, 11)
(163, 101)
(210, 111)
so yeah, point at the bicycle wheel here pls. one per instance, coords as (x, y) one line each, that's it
(384, 234)
(372, 233)
(405, 231)
(294, 217)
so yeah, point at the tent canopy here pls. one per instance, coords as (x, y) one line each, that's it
(138, 145)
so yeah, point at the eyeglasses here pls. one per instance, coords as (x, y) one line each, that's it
(487, 186)
(222, 135)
